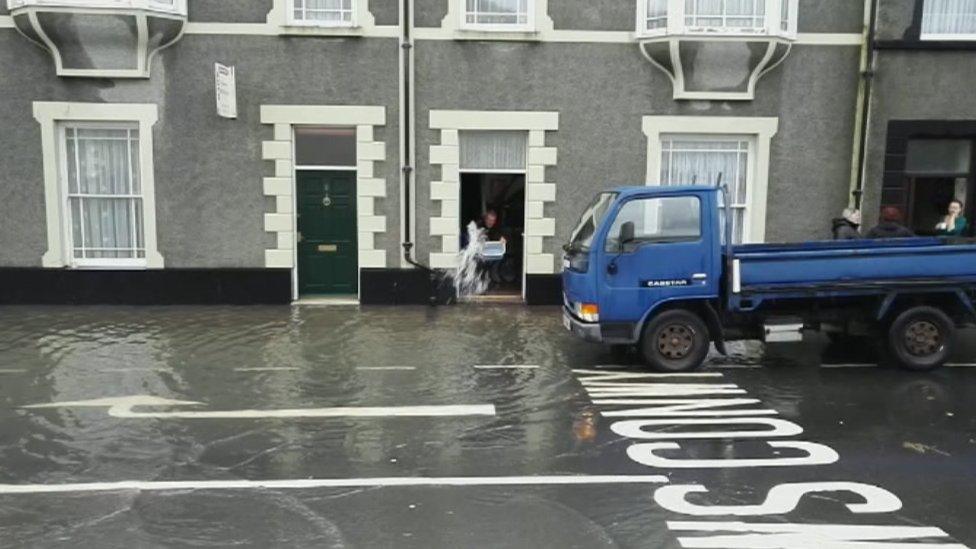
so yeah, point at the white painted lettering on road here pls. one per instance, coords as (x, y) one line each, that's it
(299, 484)
(782, 499)
(817, 454)
(809, 536)
(121, 407)
(634, 428)
(682, 407)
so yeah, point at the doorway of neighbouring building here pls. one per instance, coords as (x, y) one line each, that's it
(504, 196)
(939, 171)
(493, 169)
(327, 248)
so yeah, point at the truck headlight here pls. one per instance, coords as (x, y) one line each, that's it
(587, 312)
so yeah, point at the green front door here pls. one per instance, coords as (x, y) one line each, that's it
(327, 247)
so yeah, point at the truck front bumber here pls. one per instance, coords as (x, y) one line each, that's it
(581, 288)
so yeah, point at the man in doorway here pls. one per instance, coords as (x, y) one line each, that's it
(492, 227)
(890, 225)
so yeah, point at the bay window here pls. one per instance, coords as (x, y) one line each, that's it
(949, 20)
(732, 17)
(497, 14)
(325, 13)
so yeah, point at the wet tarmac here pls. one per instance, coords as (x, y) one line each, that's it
(461, 427)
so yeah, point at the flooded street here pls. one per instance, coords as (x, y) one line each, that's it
(457, 427)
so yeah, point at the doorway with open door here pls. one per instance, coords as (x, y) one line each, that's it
(492, 172)
(327, 248)
(938, 172)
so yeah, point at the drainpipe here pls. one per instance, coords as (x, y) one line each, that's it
(863, 113)
(407, 135)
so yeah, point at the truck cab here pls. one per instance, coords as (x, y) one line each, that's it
(635, 250)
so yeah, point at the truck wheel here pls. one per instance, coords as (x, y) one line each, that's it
(921, 338)
(675, 341)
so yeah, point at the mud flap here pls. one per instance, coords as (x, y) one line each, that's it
(715, 327)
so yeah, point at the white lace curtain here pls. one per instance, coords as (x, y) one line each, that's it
(725, 13)
(689, 161)
(949, 17)
(493, 150)
(104, 193)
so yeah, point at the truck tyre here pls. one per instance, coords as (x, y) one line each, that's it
(675, 341)
(921, 338)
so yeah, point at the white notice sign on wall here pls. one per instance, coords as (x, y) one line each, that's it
(226, 91)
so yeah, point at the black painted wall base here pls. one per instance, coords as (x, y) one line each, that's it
(543, 289)
(151, 287)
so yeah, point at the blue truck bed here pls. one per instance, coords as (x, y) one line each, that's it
(848, 265)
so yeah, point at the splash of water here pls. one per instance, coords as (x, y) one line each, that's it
(471, 279)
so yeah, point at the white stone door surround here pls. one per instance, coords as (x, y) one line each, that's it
(281, 185)
(447, 191)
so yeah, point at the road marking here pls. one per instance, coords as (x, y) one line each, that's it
(13, 371)
(299, 484)
(960, 365)
(506, 367)
(269, 369)
(852, 365)
(386, 368)
(611, 374)
(121, 407)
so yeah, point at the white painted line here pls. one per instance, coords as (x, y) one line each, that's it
(960, 365)
(852, 365)
(386, 368)
(121, 407)
(618, 374)
(282, 369)
(506, 367)
(126, 370)
(299, 484)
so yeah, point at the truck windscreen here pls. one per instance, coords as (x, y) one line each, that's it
(592, 217)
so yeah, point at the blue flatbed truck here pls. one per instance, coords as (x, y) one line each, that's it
(652, 267)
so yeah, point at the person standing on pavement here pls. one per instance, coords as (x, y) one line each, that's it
(954, 223)
(847, 227)
(890, 225)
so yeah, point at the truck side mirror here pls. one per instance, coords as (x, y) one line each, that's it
(626, 234)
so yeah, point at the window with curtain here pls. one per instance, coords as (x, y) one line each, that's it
(497, 13)
(657, 14)
(493, 151)
(323, 12)
(689, 160)
(728, 14)
(105, 202)
(949, 17)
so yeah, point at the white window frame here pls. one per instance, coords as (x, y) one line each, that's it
(70, 245)
(749, 140)
(352, 23)
(528, 26)
(760, 130)
(53, 117)
(944, 37)
(173, 7)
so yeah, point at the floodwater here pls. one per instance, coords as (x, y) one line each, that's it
(290, 396)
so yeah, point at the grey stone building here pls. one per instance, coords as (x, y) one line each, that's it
(922, 116)
(347, 128)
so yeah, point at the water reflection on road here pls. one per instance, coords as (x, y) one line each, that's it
(913, 433)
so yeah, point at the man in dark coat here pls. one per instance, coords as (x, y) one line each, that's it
(891, 225)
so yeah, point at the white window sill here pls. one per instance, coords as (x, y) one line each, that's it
(99, 266)
(948, 38)
(497, 33)
(299, 28)
(712, 32)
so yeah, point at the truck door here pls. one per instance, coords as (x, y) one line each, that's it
(657, 249)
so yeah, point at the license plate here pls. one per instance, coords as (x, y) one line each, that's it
(566, 323)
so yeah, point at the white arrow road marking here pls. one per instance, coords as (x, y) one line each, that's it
(122, 407)
(299, 484)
